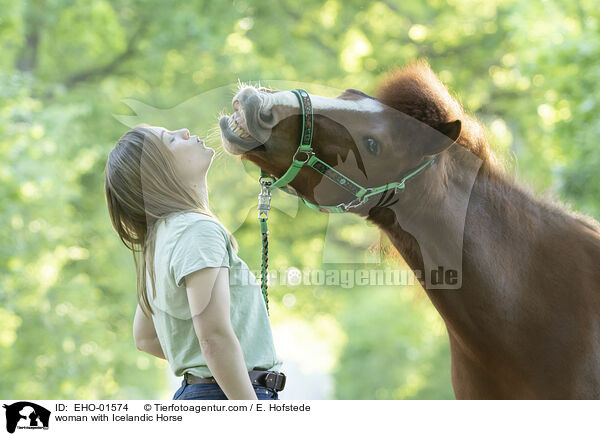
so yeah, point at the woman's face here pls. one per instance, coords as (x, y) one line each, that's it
(192, 158)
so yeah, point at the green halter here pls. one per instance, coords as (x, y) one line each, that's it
(306, 156)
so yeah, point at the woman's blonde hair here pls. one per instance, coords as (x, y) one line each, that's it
(142, 187)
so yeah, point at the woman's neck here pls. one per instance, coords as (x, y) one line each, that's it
(201, 190)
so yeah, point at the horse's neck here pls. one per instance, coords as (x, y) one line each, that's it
(529, 292)
(467, 229)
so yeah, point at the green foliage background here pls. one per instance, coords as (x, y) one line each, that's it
(528, 70)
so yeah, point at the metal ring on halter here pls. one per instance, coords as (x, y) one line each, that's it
(309, 153)
(271, 179)
(359, 203)
(351, 204)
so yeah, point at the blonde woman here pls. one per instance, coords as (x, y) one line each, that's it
(200, 307)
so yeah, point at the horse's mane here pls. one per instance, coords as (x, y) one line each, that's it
(416, 91)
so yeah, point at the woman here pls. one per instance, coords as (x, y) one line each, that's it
(206, 314)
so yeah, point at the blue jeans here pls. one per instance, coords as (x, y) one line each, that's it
(212, 391)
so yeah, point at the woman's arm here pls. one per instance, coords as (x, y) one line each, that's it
(144, 334)
(208, 295)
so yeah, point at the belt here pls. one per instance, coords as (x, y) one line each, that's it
(270, 379)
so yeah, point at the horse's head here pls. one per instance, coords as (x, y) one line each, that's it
(367, 141)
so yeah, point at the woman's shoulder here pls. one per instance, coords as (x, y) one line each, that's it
(179, 222)
(188, 217)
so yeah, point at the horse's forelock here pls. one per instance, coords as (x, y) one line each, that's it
(419, 93)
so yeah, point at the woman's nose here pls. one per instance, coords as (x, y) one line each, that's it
(185, 133)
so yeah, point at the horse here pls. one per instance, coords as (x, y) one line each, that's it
(522, 304)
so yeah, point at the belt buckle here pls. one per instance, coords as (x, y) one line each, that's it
(273, 376)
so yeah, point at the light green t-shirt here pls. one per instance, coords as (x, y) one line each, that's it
(187, 242)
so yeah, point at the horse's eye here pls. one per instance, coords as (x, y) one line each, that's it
(372, 145)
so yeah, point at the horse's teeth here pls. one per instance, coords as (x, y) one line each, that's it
(235, 124)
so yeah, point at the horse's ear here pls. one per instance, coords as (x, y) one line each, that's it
(450, 130)
(351, 94)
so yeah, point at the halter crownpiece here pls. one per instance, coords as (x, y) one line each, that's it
(305, 155)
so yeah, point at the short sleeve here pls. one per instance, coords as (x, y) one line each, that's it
(203, 243)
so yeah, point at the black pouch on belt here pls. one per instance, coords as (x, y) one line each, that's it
(269, 379)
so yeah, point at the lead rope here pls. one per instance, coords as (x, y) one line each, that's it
(266, 181)
(264, 204)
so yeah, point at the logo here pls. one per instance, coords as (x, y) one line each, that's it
(26, 415)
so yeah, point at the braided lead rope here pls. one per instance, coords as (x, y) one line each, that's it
(264, 205)
(265, 261)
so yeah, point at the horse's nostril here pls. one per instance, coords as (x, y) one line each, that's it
(265, 117)
(242, 97)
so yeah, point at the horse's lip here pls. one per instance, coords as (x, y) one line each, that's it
(232, 143)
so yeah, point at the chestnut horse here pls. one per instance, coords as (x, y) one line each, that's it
(524, 322)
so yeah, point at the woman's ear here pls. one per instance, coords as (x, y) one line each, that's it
(450, 130)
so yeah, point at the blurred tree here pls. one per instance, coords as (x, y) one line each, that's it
(528, 70)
